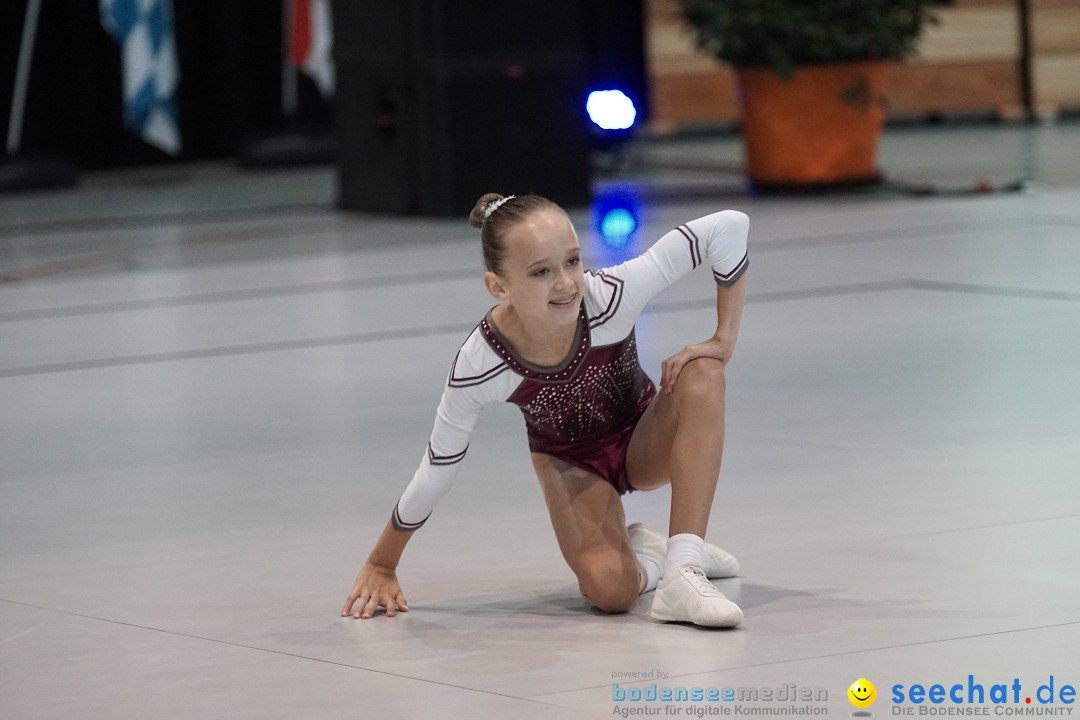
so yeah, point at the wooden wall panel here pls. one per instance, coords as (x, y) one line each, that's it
(924, 88)
(970, 62)
(693, 98)
(685, 86)
(1055, 30)
(970, 34)
(1057, 82)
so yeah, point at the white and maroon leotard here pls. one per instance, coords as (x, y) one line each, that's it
(591, 402)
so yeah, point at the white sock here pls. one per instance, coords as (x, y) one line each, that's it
(682, 549)
(651, 569)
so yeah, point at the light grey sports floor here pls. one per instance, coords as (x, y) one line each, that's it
(213, 388)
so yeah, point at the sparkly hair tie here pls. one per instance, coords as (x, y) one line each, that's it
(493, 206)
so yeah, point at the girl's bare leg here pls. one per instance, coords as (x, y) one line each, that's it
(680, 440)
(587, 516)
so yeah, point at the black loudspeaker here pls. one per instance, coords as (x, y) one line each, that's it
(615, 49)
(441, 101)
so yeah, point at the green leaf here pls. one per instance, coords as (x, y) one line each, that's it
(783, 34)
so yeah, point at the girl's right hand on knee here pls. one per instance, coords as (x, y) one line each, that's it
(375, 587)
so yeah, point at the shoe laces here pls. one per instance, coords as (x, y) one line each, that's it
(701, 583)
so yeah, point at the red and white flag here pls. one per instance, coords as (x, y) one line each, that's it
(311, 42)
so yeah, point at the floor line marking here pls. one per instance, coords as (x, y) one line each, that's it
(410, 333)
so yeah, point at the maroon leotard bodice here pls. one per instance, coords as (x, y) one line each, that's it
(593, 395)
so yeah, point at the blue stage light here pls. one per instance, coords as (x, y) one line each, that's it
(616, 219)
(611, 109)
(616, 227)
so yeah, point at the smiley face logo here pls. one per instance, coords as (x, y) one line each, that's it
(862, 693)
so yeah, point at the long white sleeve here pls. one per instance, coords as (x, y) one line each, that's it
(477, 378)
(719, 239)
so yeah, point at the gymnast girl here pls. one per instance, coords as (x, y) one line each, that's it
(560, 345)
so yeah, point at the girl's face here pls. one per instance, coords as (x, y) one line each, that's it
(541, 276)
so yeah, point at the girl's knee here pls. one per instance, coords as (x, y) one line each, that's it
(702, 378)
(612, 584)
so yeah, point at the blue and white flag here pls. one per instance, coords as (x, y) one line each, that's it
(144, 30)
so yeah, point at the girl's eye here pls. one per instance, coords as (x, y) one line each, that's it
(574, 262)
(541, 272)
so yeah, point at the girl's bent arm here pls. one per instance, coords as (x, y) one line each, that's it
(718, 240)
(730, 300)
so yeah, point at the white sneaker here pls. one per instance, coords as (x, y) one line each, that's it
(648, 541)
(690, 597)
(718, 562)
(715, 561)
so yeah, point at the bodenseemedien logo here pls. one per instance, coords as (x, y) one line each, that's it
(785, 701)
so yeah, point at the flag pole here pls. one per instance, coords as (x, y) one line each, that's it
(290, 91)
(21, 173)
(22, 76)
(293, 144)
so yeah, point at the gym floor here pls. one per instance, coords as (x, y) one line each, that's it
(214, 386)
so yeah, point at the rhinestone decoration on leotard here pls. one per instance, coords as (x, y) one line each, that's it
(562, 373)
(592, 392)
(605, 391)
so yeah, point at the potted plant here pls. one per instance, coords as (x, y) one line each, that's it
(811, 75)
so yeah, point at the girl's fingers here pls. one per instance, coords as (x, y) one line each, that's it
(362, 606)
(674, 372)
(668, 377)
(370, 609)
(672, 368)
(349, 602)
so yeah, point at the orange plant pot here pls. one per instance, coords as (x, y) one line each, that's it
(820, 127)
